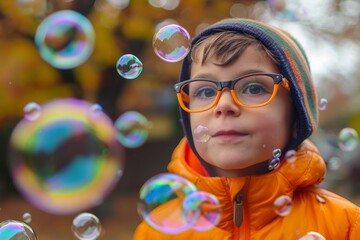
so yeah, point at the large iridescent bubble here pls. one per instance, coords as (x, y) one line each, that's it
(16, 230)
(171, 43)
(161, 202)
(65, 39)
(66, 160)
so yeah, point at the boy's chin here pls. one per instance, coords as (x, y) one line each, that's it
(233, 170)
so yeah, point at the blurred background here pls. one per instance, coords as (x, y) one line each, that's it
(328, 29)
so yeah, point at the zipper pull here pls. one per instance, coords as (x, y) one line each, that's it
(238, 209)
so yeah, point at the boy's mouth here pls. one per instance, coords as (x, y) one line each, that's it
(229, 134)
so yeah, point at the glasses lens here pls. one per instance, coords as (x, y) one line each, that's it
(254, 90)
(199, 94)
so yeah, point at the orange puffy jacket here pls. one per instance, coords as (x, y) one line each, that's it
(249, 202)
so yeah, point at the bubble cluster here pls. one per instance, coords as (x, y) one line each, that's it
(283, 205)
(132, 129)
(65, 39)
(129, 66)
(65, 161)
(171, 43)
(32, 111)
(172, 204)
(348, 139)
(201, 134)
(201, 210)
(86, 226)
(274, 163)
(16, 230)
(161, 202)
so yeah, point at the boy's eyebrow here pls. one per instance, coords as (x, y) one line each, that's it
(210, 76)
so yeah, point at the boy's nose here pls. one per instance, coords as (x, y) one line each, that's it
(226, 105)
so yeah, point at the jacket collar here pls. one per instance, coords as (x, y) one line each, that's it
(259, 191)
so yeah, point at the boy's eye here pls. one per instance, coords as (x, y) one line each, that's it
(205, 92)
(253, 88)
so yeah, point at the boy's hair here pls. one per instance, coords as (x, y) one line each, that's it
(286, 52)
(225, 47)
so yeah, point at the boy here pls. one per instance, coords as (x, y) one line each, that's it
(250, 86)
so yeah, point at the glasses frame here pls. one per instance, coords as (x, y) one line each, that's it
(278, 80)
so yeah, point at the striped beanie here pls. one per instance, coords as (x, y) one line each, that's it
(292, 63)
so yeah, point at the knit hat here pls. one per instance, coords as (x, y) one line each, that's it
(292, 63)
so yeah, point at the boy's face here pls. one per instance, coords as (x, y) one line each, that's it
(241, 137)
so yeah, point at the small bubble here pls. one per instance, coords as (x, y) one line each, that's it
(95, 110)
(312, 236)
(132, 129)
(32, 111)
(201, 134)
(129, 66)
(323, 104)
(348, 139)
(277, 153)
(334, 163)
(283, 205)
(274, 163)
(86, 226)
(290, 156)
(27, 217)
(287, 10)
(171, 43)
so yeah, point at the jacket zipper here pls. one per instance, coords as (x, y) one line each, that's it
(238, 209)
(241, 224)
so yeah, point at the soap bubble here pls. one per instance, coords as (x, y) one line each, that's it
(95, 110)
(132, 129)
(32, 111)
(334, 163)
(312, 236)
(65, 39)
(171, 43)
(274, 163)
(16, 230)
(201, 134)
(129, 66)
(86, 226)
(161, 202)
(27, 217)
(289, 10)
(348, 139)
(65, 161)
(277, 153)
(283, 205)
(290, 156)
(323, 104)
(202, 210)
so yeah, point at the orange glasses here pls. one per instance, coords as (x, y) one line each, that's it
(251, 91)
